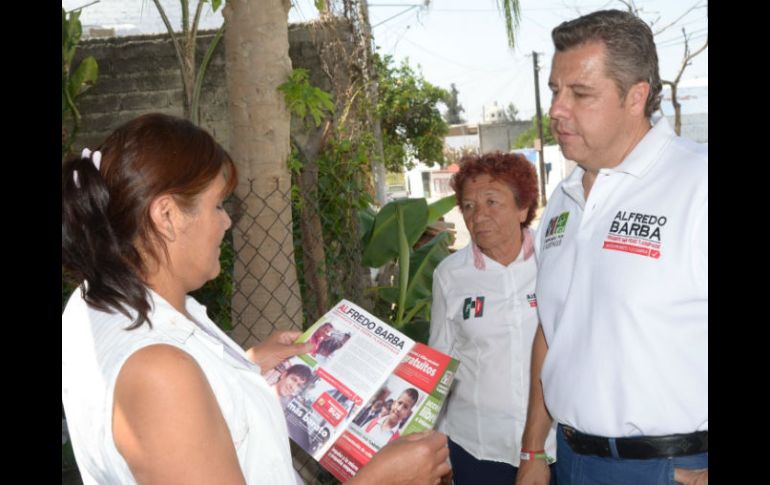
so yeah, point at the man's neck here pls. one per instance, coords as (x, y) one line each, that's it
(638, 132)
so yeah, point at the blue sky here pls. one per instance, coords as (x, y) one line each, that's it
(463, 41)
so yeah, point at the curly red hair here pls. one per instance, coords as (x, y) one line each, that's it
(511, 168)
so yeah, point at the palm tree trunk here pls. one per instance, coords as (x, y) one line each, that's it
(266, 293)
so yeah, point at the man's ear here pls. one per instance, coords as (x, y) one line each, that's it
(637, 97)
(164, 212)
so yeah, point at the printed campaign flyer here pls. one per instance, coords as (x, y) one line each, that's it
(363, 385)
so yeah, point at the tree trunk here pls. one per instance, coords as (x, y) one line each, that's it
(266, 294)
(314, 255)
(677, 110)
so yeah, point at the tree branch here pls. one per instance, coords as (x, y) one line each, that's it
(687, 55)
(177, 47)
(194, 30)
(693, 7)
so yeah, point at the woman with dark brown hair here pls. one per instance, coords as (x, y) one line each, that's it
(484, 313)
(153, 390)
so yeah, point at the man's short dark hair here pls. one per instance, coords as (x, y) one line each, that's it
(631, 54)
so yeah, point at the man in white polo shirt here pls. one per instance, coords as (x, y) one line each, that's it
(622, 284)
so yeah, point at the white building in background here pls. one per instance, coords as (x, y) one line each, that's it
(431, 182)
(464, 135)
(492, 113)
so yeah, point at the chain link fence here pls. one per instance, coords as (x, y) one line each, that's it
(295, 255)
(265, 290)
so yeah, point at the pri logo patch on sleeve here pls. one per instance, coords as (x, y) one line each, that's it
(636, 233)
(554, 233)
(473, 305)
(532, 299)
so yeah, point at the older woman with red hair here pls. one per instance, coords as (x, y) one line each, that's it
(485, 314)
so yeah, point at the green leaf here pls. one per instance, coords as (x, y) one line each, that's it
(84, 77)
(366, 223)
(421, 306)
(300, 109)
(71, 31)
(418, 330)
(383, 242)
(64, 30)
(215, 5)
(325, 100)
(316, 114)
(512, 14)
(303, 98)
(75, 28)
(441, 207)
(404, 249)
(423, 263)
(388, 294)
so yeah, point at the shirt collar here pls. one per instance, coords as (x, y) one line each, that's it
(637, 163)
(479, 259)
(573, 185)
(648, 150)
(169, 321)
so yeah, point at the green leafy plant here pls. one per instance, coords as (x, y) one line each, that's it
(185, 45)
(390, 235)
(412, 126)
(74, 80)
(341, 193)
(302, 98)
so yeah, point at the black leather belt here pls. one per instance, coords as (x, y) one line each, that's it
(638, 447)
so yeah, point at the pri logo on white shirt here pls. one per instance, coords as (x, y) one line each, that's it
(473, 305)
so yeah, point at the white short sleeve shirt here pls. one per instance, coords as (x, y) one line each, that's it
(623, 293)
(94, 348)
(487, 319)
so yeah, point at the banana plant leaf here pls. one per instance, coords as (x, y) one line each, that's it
(404, 263)
(382, 244)
(388, 293)
(366, 223)
(418, 330)
(422, 264)
(440, 207)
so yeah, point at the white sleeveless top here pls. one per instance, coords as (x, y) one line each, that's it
(94, 348)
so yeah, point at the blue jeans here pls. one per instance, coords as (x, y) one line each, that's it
(575, 469)
(468, 470)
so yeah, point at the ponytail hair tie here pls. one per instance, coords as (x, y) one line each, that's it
(96, 159)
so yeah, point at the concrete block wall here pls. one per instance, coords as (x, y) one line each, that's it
(140, 74)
